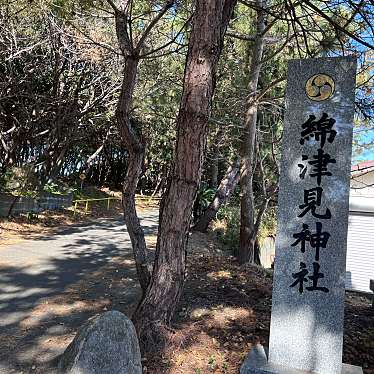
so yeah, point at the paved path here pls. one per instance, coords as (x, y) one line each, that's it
(34, 270)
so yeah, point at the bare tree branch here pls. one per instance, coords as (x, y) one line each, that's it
(337, 26)
(154, 21)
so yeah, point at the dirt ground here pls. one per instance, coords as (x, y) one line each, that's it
(19, 228)
(224, 311)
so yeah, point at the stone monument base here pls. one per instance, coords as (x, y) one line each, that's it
(257, 363)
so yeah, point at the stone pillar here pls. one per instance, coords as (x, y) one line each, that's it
(306, 333)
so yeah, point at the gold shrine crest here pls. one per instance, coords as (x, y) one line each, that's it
(320, 87)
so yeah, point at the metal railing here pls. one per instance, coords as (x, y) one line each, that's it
(87, 201)
(146, 199)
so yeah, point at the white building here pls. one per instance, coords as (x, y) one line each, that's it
(360, 251)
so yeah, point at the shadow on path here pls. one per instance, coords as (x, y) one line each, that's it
(49, 287)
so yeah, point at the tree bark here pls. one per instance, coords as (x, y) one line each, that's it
(130, 131)
(136, 150)
(56, 164)
(224, 191)
(157, 308)
(214, 169)
(248, 231)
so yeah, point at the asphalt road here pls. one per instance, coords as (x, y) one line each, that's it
(34, 270)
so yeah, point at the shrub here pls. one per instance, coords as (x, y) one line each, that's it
(20, 180)
(227, 225)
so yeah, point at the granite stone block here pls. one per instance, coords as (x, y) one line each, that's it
(256, 363)
(309, 276)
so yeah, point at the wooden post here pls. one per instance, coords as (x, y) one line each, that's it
(86, 209)
(108, 206)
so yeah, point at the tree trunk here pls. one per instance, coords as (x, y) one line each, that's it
(12, 205)
(157, 308)
(136, 150)
(248, 231)
(224, 191)
(214, 169)
(160, 181)
(56, 164)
